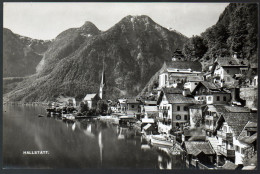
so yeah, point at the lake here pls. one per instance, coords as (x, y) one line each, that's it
(86, 143)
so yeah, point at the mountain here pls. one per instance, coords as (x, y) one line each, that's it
(21, 54)
(235, 31)
(133, 50)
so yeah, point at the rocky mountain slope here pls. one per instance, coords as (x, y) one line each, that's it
(21, 54)
(133, 50)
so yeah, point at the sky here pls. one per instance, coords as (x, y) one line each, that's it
(46, 20)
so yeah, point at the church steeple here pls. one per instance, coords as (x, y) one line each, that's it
(102, 84)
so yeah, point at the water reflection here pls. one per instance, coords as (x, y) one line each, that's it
(100, 144)
(85, 143)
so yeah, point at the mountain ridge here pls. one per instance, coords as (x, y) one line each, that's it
(133, 50)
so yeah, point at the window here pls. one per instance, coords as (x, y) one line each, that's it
(185, 108)
(242, 151)
(238, 149)
(218, 98)
(227, 71)
(133, 106)
(178, 117)
(185, 117)
(225, 98)
(168, 107)
(224, 129)
(209, 98)
(178, 108)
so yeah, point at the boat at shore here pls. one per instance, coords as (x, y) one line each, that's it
(68, 117)
(161, 140)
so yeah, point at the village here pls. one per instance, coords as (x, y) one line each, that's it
(210, 116)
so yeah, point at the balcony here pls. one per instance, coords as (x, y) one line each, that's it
(225, 136)
(226, 152)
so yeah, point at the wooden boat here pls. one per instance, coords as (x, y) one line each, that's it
(161, 140)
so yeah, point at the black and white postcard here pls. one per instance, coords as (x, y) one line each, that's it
(112, 85)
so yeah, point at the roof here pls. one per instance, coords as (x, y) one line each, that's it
(150, 102)
(153, 114)
(210, 85)
(237, 109)
(229, 165)
(122, 100)
(147, 126)
(132, 100)
(147, 120)
(250, 126)
(249, 168)
(231, 62)
(214, 143)
(237, 121)
(197, 106)
(172, 90)
(251, 162)
(195, 78)
(150, 108)
(249, 140)
(196, 147)
(179, 98)
(89, 96)
(225, 108)
(193, 65)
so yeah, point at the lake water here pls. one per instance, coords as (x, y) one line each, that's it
(84, 144)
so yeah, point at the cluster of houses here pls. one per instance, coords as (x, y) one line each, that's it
(212, 114)
(216, 125)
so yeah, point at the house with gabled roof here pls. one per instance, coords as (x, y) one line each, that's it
(192, 82)
(199, 152)
(246, 142)
(213, 112)
(210, 93)
(165, 108)
(91, 100)
(133, 106)
(173, 106)
(173, 73)
(225, 68)
(229, 127)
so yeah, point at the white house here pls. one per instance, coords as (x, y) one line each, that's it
(210, 93)
(225, 68)
(176, 72)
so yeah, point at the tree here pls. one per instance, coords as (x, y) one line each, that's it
(196, 47)
(197, 118)
(102, 107)
(83, 107)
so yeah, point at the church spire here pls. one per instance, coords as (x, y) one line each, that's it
(102, 84)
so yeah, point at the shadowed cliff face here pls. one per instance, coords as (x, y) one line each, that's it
(132, 50)
(21, 54)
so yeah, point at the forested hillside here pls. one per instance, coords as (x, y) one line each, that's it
(235, 31)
